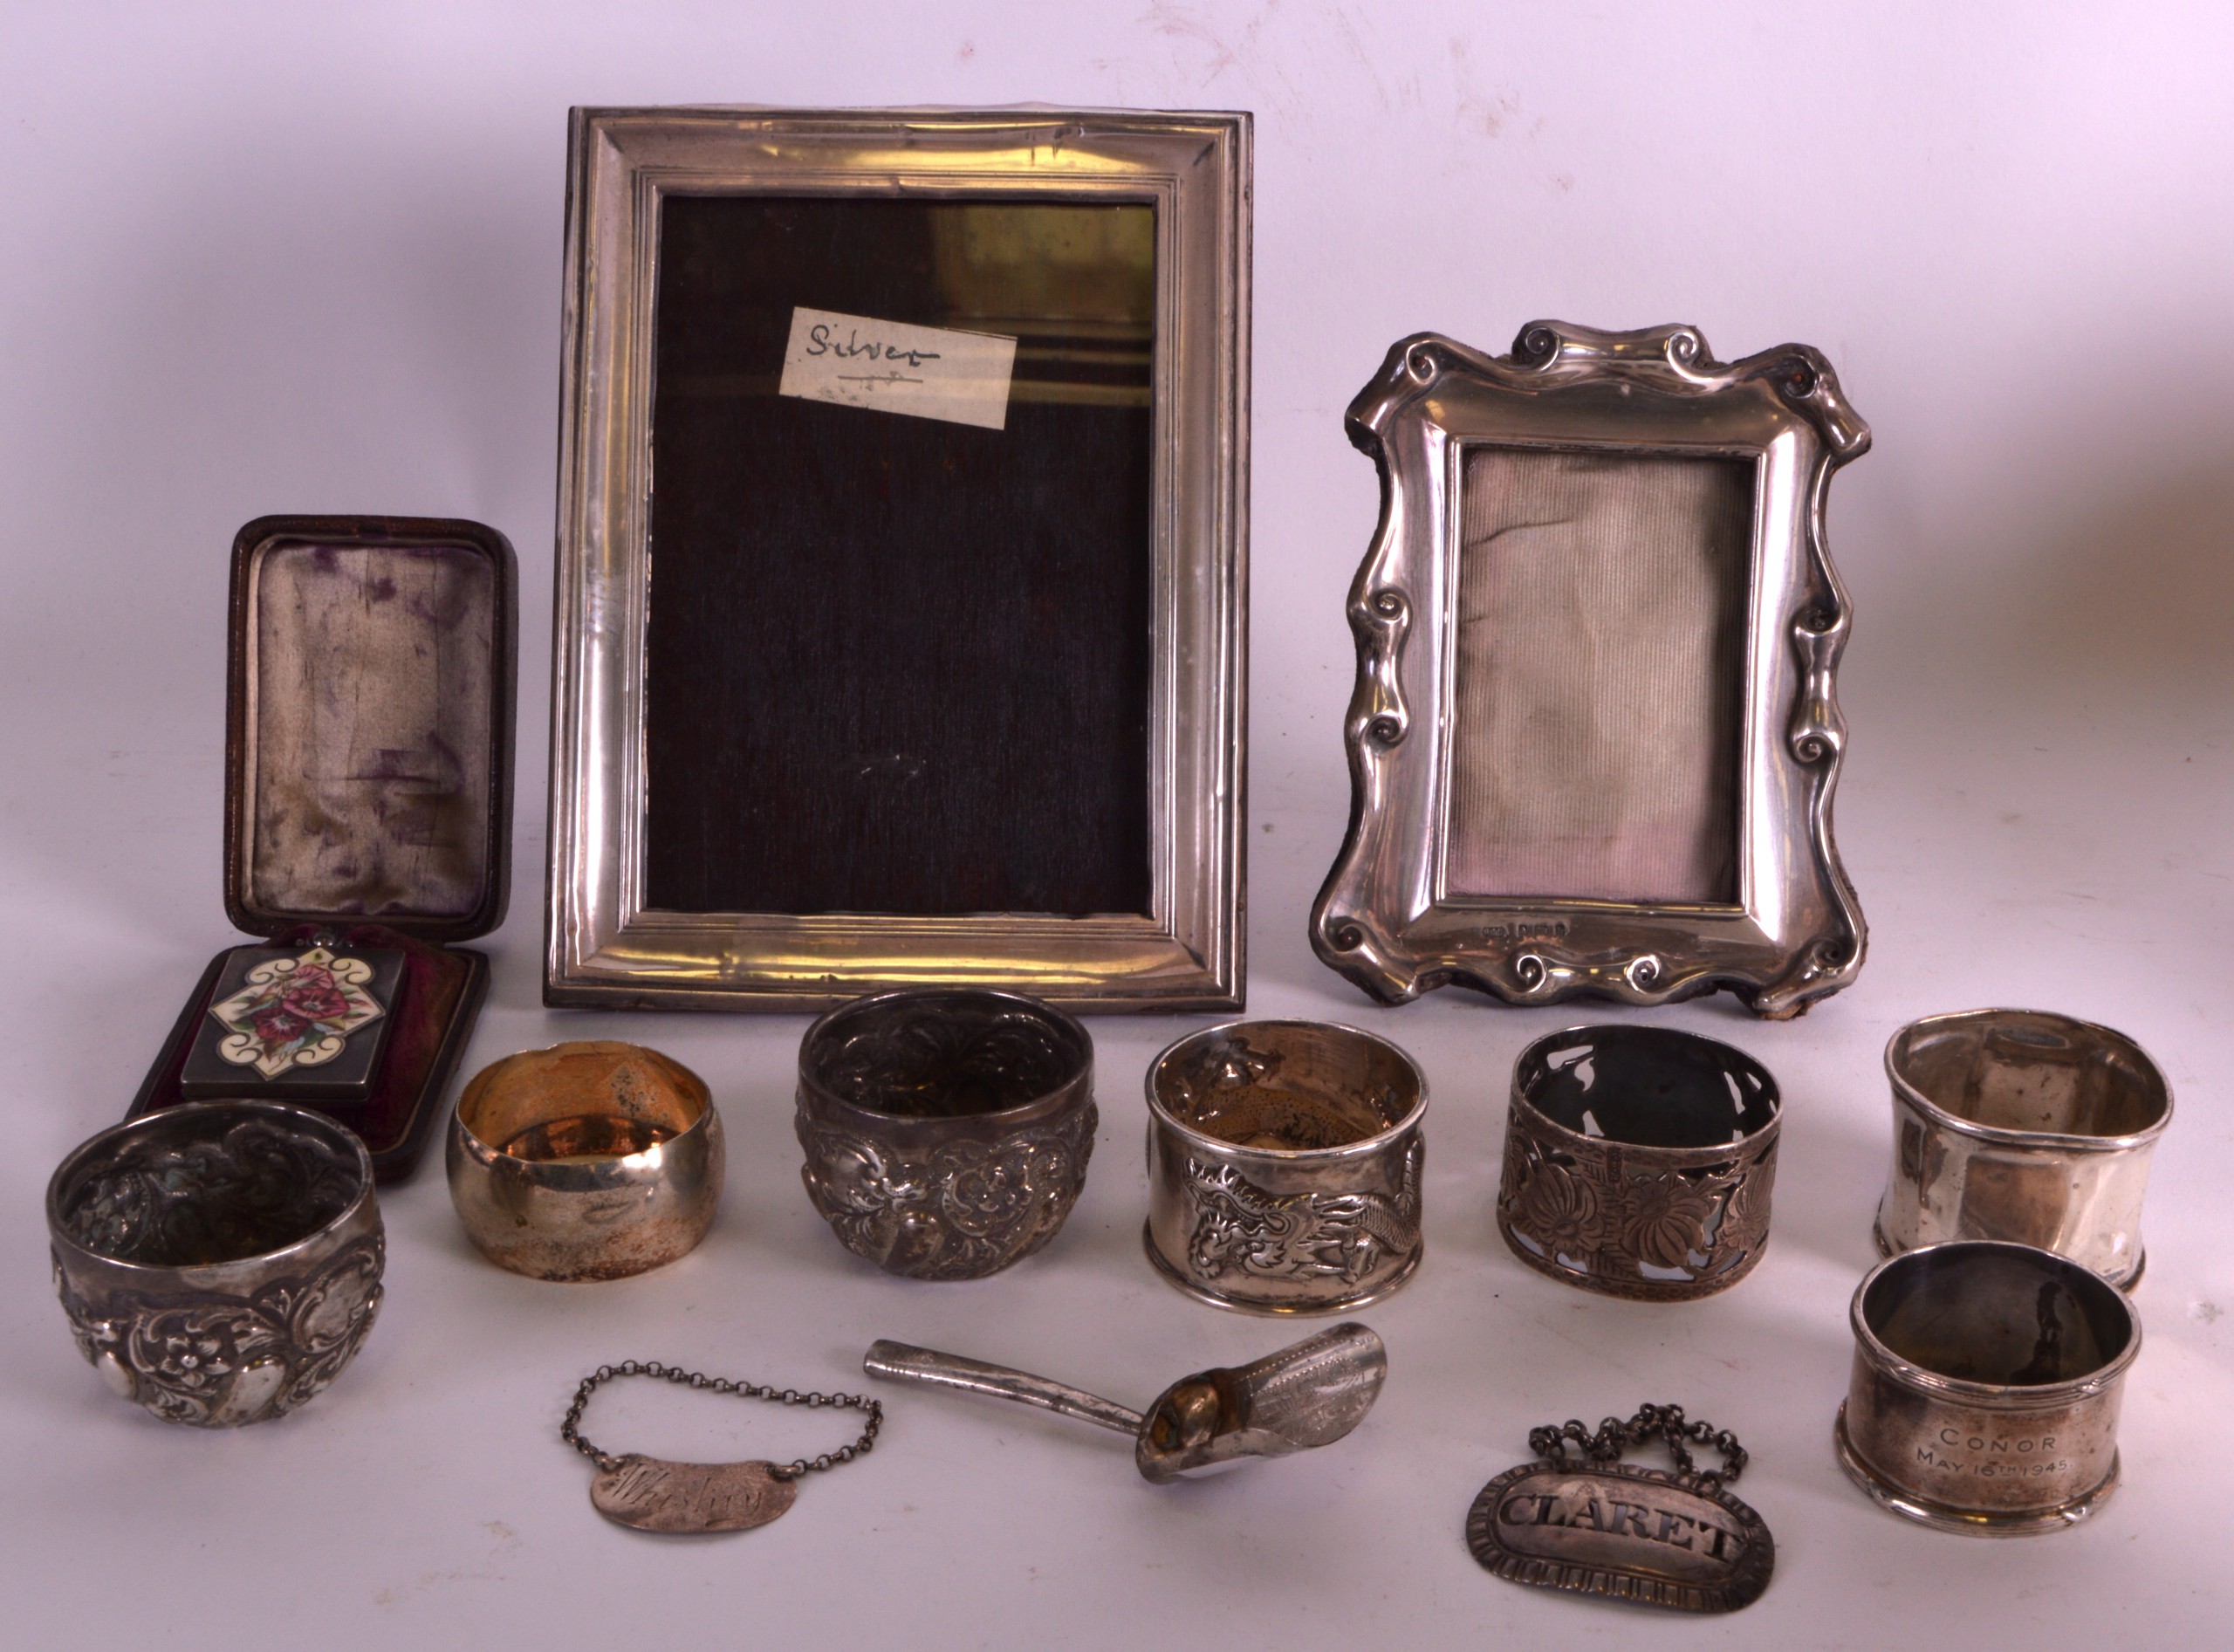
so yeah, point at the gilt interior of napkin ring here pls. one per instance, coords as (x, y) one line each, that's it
(579, 1102)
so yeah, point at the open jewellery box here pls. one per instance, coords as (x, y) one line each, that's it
(368, 771)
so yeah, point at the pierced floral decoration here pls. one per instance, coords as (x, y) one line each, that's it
(1599, 1219)
(1560, 1208)
(1664, 1222)
(296, 1012)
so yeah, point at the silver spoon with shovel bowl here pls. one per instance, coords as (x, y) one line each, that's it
(1310, 1394)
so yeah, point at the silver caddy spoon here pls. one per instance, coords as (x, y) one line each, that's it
(1308, 1394)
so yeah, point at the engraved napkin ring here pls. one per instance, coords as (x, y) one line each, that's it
(1985, 1388)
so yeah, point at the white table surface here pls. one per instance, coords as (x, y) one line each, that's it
(300, 259)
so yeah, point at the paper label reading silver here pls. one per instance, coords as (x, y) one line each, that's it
(927, 373)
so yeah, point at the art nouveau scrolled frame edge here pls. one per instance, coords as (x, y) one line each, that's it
(1796, 933)
(603, 948)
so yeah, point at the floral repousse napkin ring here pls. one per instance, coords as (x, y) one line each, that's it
(220, 1262)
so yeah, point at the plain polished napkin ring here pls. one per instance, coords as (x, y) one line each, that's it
(591, 1160)
(2025, 1126)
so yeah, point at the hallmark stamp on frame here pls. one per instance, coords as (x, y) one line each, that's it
(928, 372)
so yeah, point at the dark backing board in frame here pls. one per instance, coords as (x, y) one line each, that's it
(898, 664)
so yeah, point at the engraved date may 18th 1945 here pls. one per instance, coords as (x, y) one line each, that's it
(1995, 1459)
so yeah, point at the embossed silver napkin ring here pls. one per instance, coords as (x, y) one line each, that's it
(652, 1494)
(1585, 1521)
(1639, 1162)
(593, 1160)
(946, 1130)
(1986, 1390)
(2025, 1126)
(220, 1261)
(1284, 1166)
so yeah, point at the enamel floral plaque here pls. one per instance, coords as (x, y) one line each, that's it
(296, 1012)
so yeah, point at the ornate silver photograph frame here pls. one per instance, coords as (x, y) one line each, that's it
(1179, 945)
(1750, 897)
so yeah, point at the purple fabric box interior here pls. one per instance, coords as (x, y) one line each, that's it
(368, 786)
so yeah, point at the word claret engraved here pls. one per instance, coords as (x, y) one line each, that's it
(1581, 1519)
(928, 372)
(1634, 1533)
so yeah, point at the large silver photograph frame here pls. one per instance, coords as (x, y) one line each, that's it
(1782, 928)
(604, 946)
